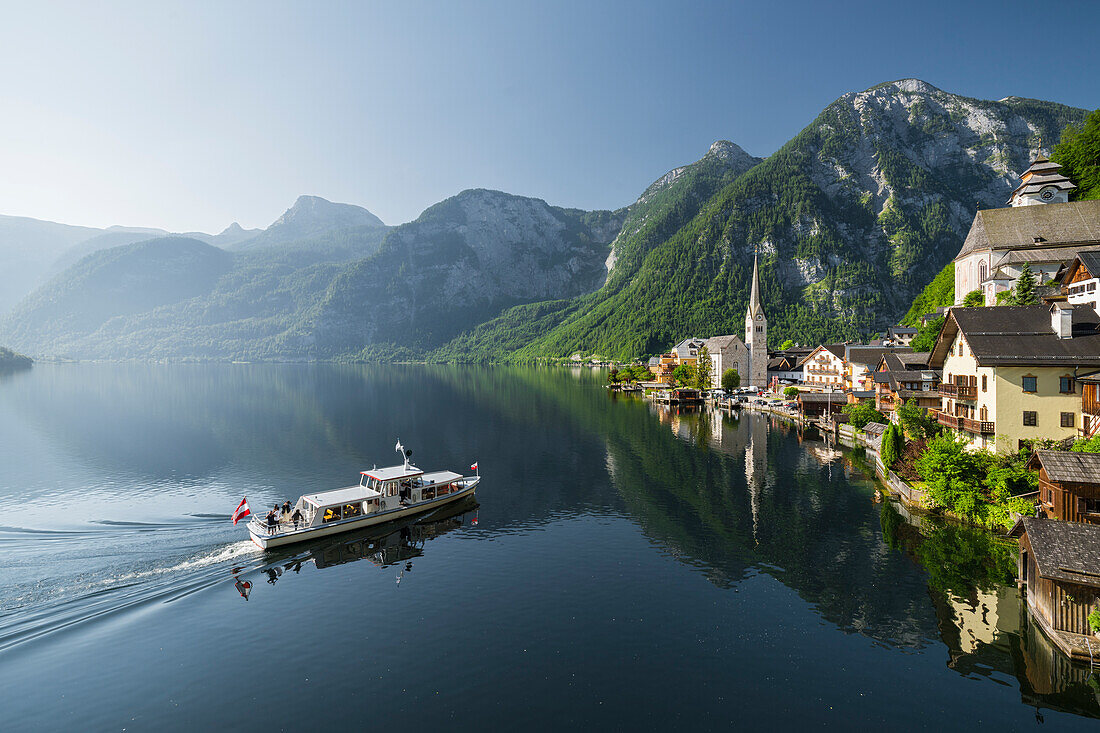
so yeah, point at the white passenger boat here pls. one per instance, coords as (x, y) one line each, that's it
(383, 495)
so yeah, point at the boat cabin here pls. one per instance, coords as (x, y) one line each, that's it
(379, 490)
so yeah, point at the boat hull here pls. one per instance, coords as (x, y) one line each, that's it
(281, 539)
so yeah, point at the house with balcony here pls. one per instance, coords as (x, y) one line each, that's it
(1010, 373)
(901, 376)
(824, 368)
(1080, 279)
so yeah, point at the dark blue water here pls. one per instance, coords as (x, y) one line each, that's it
(621, 566)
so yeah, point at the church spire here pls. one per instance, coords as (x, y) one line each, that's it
(755, 304)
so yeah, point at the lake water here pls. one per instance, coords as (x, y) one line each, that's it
(623, 566)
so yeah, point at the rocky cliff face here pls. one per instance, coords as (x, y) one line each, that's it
(852, 218)
(461, 262)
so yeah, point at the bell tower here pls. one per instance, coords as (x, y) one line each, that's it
(756, 333)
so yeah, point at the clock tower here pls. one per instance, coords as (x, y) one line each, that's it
(756, 334)
(1042, 183)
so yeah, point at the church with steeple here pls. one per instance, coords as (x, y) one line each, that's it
(1040, 226)
(756, 333)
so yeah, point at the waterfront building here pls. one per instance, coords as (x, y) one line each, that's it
(1059, 564)
(1010, 373)
(756, 334)
(727, 352)
(784, 366)
(904, 375)
(860, 362)
(815, 404)
(823, 368)
(1069, 485)
(1040, 227)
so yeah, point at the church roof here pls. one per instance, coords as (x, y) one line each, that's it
(1073, 223)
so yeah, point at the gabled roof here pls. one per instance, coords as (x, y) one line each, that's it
(1067, 466)
(715, 344)
(901, 330)
(1021, 336)
(1066, 551)
(1088, 259)
(872, 354)
(1076, 222)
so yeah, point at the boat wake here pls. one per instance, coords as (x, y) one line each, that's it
(37, 602)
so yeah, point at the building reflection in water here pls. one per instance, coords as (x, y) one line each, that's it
(799, 515)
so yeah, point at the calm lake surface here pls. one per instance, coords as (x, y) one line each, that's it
(623, 566)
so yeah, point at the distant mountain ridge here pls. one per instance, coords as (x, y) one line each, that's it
(852, 218)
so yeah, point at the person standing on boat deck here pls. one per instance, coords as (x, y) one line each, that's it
(296, 517)
(271, 522)
(286, 508)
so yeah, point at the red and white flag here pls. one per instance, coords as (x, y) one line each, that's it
(473, 467)
(241, 511)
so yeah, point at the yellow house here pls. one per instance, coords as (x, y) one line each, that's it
(1010, 373)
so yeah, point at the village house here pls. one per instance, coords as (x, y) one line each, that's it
(727, 352)
(1010, 373)
(1040, 227)
(860, 363)
(816, 404)
(783, 366)
(905, 375)
(901, 335)
(823, 368)
(1059, 564)
(1080, 278)
(1069, 485)
(1090, 404)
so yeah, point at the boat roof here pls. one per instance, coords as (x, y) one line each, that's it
(390, 473)
(349, 495)
(441, 477)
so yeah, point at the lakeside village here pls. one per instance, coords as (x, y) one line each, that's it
(989, 411)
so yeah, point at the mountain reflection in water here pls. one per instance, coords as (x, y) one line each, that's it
(633, 565)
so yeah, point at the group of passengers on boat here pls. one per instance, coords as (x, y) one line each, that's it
(283, 515)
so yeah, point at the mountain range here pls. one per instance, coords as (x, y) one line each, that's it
(851, 219)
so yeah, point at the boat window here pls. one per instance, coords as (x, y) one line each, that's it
(332, 514)
(363, 479)
(391, 488)
(371, 505)
(352, 510)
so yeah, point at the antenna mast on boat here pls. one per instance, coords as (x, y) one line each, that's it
(405, 454)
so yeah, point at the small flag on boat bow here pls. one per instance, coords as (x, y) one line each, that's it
(241, 511)
(474, 467)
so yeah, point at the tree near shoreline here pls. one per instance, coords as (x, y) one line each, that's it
(731, 380)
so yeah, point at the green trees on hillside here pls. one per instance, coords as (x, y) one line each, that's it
(1079, 154)
(974, 299)
(927, 335)
(938, 293)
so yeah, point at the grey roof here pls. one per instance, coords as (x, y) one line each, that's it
(716, 344)
(872, 354)
(874, 428)
(1089, 259)
(1064, 253)
(901, 330)
(863, 394)
(1066, 466)
(838, 398)
(1067, 551)
(1021, 336)
(1076, 222)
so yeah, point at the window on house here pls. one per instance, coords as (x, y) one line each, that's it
(1067, 420)
(1031, 384)
(985, 382)
(1031, 418)
(983, 414)
(1065, 385)
(1091, 506)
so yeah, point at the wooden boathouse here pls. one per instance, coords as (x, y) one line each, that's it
(1059, 564)
(1069, 485)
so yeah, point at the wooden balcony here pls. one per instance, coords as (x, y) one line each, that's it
(977, 427)
(959, 391)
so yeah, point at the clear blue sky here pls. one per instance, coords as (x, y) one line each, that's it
(191, 115)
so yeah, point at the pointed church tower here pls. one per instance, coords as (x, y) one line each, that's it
(756, 333)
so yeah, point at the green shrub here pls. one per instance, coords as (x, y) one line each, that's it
(861, 413)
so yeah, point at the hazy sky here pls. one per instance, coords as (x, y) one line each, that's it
(191, 115)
